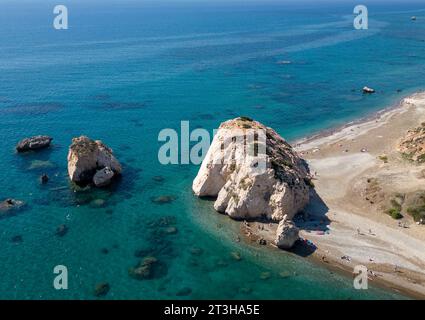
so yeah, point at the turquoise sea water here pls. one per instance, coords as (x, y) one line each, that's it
(126, 70)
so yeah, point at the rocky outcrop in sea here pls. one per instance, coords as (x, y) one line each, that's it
(243, 191)
(368, 90)
(92, 162)
(33, 143)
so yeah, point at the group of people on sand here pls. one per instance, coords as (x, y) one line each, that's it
(403, 225)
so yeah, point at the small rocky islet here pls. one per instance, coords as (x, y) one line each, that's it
(275, 194)
(33, 143)
(89, 161)
(92, 162)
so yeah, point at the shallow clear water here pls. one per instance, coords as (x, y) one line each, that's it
(123, 72)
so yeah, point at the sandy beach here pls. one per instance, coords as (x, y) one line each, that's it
(346, 224)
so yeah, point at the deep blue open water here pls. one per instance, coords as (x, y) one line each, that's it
(122, 72)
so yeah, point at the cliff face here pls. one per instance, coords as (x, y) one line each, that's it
(270, 183)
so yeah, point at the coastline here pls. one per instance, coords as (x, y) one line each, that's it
(373, 116)
(344, 229)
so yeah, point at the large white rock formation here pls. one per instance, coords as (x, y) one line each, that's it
(269, 183)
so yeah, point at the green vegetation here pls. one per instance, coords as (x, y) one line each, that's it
(287, 163)
(421, 158)
(245, 183)
(395, 213)
(235, 197)
(243, 118)
(282, 163)
(417, 213)
(384, 158)
(407, 156)
(84, 146)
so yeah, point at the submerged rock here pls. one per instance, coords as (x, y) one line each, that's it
(61, 230)
(145, 269)
(166, 221)
(40, 164)
(97, 203)
(286, 235)
(163, 199)
(102, 289)
(196, 251)
(245, 290)
(236, 256)
(87, 157)
(243, 188)
(265, 275)
(33, 143)
(140, 272)
(284, 274)
(171, 230)
(17, 239)
(9, 206)
(158, 178)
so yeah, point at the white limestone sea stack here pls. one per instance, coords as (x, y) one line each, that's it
(277, 192)
(286, 234)
(91, 161)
